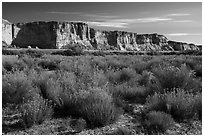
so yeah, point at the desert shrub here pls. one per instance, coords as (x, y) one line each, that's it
(139, 66)
(16, 88)
(156, 102)
(99, 63)
(77, 65)
(50, 86)
(4, 71)
(145, 78)
(153, 85)
(99, 79)
(10, 52)
(115, 64)
(198, 70)
(66, 65)
(34, 53)
(47, 64)
(198, 105)
(121, 76)
(158, 122)
(155, 62)
(181, 104)
(98, 53)
(192, 62)
(35, 111)
(29, 61)
(71, 50)
(126, 74)
(97, 108)
(173, 77)
(13, 63)
(67, 52)
(129, 93)
(177, 61)
(113, 76)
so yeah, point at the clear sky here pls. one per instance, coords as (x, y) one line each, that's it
(177, 21)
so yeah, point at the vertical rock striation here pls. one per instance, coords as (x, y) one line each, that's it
(64, 34)
(6, 32)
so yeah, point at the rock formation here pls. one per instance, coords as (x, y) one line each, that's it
(6, 32)
(63, 34)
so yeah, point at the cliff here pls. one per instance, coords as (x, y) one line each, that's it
(63, 34)
(6, 32)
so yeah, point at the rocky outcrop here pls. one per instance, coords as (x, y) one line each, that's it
(6, 32)
(68, 33)
(41, 34)
(179, 46)
(63, 34)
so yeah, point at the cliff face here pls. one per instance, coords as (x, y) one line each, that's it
(179, 46)
(6, 32)
(63, 34)
(34, 34)
(68, 33)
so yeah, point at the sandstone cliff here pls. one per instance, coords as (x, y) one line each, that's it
(6, 32)
(63, 34)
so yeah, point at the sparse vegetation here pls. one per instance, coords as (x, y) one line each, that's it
(180, 104)
(99, 89)
(158, 122)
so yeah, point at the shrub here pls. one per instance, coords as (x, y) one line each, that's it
(128, 93)
(50, 65)
(158, 122)
(145, 78)
(98, 109)
(170, 77)
(4, 71)
(13, 63)
(157, 102)
(124, 75)
(155, 62)
(139, 66)
(95, 106)
(34, 53)
(173, 77)
(29, 61)
(35, 111)
(181, 104)
(71, 50)
(51, 87)
(99, 63)
(99, 79)
(198, 105)
(67, 52)
(73, 99)
(177, 102)
(198, 70)
(115, 63)
(16, 88)
(10, 52)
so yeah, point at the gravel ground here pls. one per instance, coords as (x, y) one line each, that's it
(126, 124)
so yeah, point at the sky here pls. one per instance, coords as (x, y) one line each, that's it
(178, 21)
